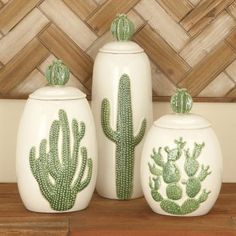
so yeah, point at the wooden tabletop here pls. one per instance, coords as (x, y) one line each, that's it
(110, 217)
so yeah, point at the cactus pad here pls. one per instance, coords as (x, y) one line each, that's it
(168, 174)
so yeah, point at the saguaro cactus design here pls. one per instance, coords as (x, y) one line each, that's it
(123, 137)
(55, 170)
(169, 174)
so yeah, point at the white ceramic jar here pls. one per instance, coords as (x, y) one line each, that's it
(122, 108)
(56, 160)
(181, 167)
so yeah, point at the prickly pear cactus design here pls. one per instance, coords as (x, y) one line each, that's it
(55, 170)
(123, 137)
(168, 173)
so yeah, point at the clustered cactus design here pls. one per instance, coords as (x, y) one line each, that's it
(54, 171)
(169, 172)
(122, 28)
(123, 137)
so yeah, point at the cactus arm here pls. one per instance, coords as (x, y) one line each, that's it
(105, 119)
(40, 170)
(138, 138)
(79, 184)
(53, 159)
(32, 160)
(65, 138)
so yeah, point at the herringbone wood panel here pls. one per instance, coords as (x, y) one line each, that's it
(191, 43)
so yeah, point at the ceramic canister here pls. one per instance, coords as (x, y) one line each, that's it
(122, 108)
(181, 167)
(56, 160)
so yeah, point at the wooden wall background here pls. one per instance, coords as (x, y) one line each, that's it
(191, 43)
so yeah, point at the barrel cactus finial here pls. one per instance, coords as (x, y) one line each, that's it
(181, 101)
(122, 28)
(57, 73)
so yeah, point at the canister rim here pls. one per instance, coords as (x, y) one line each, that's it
(57, 93)
(188, 121)
(121, 47)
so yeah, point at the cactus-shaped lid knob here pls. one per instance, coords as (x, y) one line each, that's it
(57, 73)
(181, 101)
(122, 28)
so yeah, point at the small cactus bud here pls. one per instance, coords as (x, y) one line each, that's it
(57, 73)
(122, 28)
(181, 101)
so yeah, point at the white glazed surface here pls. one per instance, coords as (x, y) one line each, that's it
(210, 155)
(108, 69)
(34, 126)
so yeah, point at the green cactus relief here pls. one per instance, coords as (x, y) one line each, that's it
(57, 73)
(122, 28)
(123, 137)
(181, 101)
(56, 176)
(169, 173)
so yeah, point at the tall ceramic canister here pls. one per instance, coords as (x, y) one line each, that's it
(56, 160)
(181, 167)
(122, 108)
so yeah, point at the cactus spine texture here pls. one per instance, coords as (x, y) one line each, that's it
(181, 101)
(123, 137)
(122, 28)
(55, 175)
(57, 73)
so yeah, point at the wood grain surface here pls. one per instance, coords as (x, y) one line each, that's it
(185, 41)
(111, 217)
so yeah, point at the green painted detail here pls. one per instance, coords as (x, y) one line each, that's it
(181, 101)
(58, 174)
(57, 73)
(168, 173)
(123, 137)
(122, 28)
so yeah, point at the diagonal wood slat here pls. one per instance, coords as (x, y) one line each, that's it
(208, 69)
(14, 12)
(176, 9)
(162, 54)
(60, 45)
(22, 34)
(191, 43)
(102, 19)
(21, 66)
(82, 8)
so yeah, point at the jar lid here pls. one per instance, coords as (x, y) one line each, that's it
(181, 104)
(122, 29)
(182, 121)
(57, 74)
(125, 47)
(57, 93)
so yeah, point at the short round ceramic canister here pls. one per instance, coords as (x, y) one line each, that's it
(181, 166)
(56, 160)
(122, 108)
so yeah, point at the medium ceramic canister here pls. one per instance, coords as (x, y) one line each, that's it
(181, 167)
(56, 159)
(122, 108)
